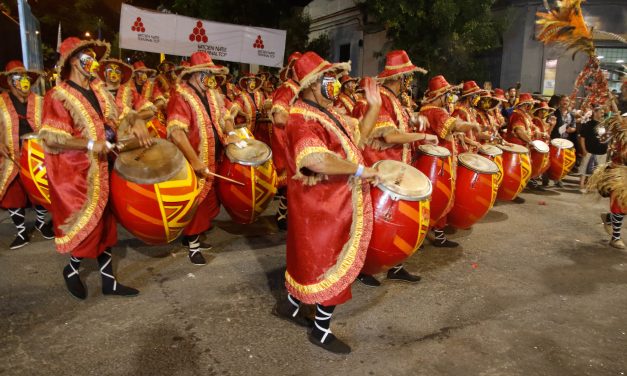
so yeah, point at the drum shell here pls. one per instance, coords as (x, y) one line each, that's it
(561, 162)
(540, 162)
(498, 159)
(155, 213)
(516, 175)
(399, 228)
(438, 171)
(245, 203)
(33, 172)
(475, 193)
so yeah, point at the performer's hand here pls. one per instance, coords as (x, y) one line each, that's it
(102, 148)
(371, 92)
(431, 139)
(420, 122)
(4, 150)
(372, 175)
(141, 133)
(475, 144)
(201, 171)
(232, 139)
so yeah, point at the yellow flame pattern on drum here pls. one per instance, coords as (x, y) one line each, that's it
(37, 169)
(263, 180)
(525, 172)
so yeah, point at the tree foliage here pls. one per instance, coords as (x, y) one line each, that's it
(443, 36)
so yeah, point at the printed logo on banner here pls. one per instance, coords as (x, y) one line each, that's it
(262, 52)
(199, 36)
(138, 27)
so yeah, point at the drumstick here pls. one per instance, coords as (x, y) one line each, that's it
(223, 177)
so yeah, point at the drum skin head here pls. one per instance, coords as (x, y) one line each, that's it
(158, 163)
(515, 148)
(255, 154)
(434, 150)
(562, 143)
(491, 150)
(478, 163)
(403, 180)
(540, 146)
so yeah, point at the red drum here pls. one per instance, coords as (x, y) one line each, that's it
(33, 171)
(494, 154)
(562, 155)
(435, 162)
(401, 215)
(516, 171)
(263, 130)
(475, 190)
(252, 166)
(539, 158)
(153, 192)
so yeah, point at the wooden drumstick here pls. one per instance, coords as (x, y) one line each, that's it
(223, 177)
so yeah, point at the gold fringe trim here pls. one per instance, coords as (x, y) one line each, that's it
(610, 178)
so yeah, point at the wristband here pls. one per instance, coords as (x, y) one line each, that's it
(232, 133)
(360, 170)
(90, 145)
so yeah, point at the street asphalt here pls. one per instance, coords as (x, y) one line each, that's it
(534, 289)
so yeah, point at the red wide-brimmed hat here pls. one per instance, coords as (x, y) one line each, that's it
(437, 87)
(543, 106)
(493, 101)
(291, 60)
(247, 77)
(265, 76)
(16, 66)
(525, 98)
(127, 70)
(139, 66)
(397, 64)
(499, 94)
(346, 79)
(165, 64)
(72, 45)
(201, 62)
(470, 88)
(310, 67)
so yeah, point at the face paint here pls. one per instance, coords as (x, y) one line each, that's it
(330, 87)
(21, 83)
(113, 72)
(87, 61)
(252, 84)
(474, 100)
(141, 77)
(485, 103)
(208, 80)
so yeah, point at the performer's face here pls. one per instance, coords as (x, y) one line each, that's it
(206, 80)
(21, 83)
(87, 63)
(525, 107)
(350, 87)
(113, 73)
(330, 87)
(252, 84)
(485, 103)
(141, 78)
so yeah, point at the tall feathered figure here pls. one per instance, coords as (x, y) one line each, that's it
(565, 25)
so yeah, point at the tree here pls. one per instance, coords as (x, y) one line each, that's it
(443, 36)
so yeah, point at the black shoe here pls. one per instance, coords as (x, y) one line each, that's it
(74, 284)
(46, 230)
(331, 344)
(120, 290)
(197, 258)
(203, 246)
(368, 280)
(282, 224)
(519, 200)
(402, 275)
(284, 310)
(445, 244)
(559, 184)
(19, 242)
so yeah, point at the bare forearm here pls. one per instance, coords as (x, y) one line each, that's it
(146, 114)
(397, 137)
(369, 120)
(331, 165)
(463, 126)
(522, 135)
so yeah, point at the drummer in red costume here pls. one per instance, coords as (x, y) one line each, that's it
(485, 111)
(20, 114)
(250, 101)
(199, 124)
(166, 80)
(542, 123)
(437, 107)
(391, 137)
(79, 114)
(145, 86)
(346, 100)
(331, 227)
(117, 78)
(520, 129)
(281, 102)
(466, 110)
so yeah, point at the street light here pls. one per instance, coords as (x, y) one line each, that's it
(87, 34)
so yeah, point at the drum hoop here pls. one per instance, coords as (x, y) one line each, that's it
(468, 166)
(560, 146)
(251, 163)
(507, 149)
(495, 153)
(179, 158)
(538, 150)
(398, 196)
(435, 155)
(30, 136)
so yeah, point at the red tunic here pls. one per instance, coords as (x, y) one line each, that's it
(187, 112)
(281, 101)
(441, 124)
(79, 180)
(249, 104)
(330, 233)
(391, 118)
(465, 113)
(127, 99)
(12, 193)
(345, 103)
(519, 120)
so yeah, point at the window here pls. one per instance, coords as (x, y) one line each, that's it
(345, 52)
(613, 65)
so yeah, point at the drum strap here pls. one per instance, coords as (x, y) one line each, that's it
(326, 112)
